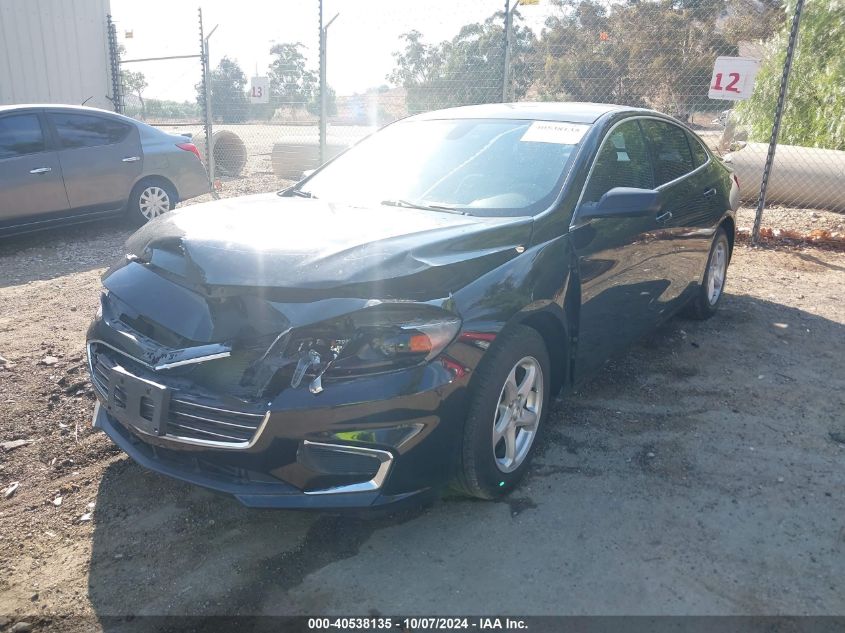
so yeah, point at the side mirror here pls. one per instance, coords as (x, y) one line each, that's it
(622, 202)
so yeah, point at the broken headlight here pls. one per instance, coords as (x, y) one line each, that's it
(374, 340)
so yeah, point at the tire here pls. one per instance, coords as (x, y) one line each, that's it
(709, 294)
(150, 199)
(484, 470)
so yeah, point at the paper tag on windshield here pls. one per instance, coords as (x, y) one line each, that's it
(555, 132)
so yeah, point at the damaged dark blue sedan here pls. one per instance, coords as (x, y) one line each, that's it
(403, 318)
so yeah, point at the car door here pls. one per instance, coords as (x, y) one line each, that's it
(31, 186)
(622, 260)
(687, 193)
(100, 156)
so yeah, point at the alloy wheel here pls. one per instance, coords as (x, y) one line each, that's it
(716, 272)
(518, 414)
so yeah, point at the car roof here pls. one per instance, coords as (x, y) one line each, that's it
(570, 112)
(54, 106)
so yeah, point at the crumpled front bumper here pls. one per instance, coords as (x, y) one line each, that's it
(251, 489)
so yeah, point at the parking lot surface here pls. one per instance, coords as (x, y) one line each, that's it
(699, 473)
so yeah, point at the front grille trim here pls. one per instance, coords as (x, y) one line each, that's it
(259, 420)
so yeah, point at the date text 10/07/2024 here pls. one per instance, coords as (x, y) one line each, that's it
(418, 624)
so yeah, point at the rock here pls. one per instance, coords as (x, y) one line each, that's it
(34, 596)
(780, 480)
(21, 627)
(48, 360)
(650, 455)
(85, 517)
(837, 437)
(90, 506)
(57, 501)
(8, 492)
(13, 444)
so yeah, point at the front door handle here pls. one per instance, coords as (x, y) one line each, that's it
(41, 170)
(710, 192)
(133, 159)
(664, 217)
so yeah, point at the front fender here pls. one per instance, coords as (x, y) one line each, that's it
(538, 288)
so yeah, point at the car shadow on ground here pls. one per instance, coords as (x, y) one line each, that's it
(663, 428)
(61, 251)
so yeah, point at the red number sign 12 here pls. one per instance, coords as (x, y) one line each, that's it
(731, 87)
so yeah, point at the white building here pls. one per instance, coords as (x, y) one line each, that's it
(55, 51)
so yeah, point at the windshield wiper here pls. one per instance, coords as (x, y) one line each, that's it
(296, 192)
(407, 204)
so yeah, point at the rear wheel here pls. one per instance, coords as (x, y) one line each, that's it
(708, 295)
(150, 199)
(509, 404)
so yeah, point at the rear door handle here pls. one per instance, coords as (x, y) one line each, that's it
(40, 170)
(664, 217)
(710, 192)
(133, 159)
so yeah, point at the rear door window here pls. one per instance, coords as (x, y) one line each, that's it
(20, 134)
(622, 161)
(83, 130)
(670, 150)
(699, 154)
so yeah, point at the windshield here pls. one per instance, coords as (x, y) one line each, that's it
(481, 167)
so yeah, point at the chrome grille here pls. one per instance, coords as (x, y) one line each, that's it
(100, 369)
(199, 421)
(187, 419)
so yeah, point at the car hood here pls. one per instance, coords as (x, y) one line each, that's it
(308, 245)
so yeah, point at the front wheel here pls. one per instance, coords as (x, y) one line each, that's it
(708, 295)
(509, 404)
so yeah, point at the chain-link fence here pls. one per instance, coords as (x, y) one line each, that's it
(384, 60)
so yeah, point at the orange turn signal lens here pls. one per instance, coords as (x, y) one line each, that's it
(419, 343)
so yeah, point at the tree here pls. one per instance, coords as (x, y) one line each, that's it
(135, 83)
(292, 84)
(313, 106)
(229, 102)
(656, 53)
(815, 107)
(467, 69)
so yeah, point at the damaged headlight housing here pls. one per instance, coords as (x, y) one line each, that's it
(383, 338)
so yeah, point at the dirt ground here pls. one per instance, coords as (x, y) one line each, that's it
(700, 473)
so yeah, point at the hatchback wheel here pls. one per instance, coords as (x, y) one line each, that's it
(709, 293)
(509, 403)
(149, 200)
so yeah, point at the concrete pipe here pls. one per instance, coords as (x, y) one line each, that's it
(801, 176)
(229, 153)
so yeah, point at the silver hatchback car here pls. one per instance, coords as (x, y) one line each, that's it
(68, 164)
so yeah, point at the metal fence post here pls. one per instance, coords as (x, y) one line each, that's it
(206, 105)
(114, 59)
(506, 70)
(323, 108)
(784, 86)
